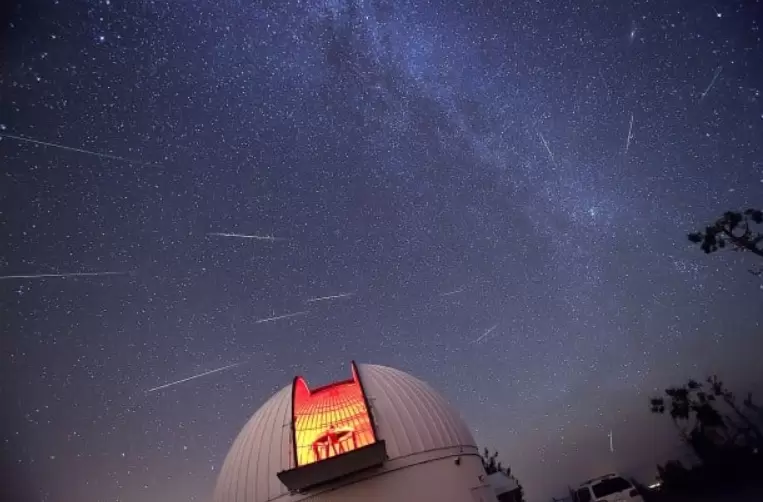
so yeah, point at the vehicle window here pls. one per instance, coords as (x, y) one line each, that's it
(610, 486)
(583, 495)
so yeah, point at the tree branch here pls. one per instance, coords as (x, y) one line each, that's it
(742, 242)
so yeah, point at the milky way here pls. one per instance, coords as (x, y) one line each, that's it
(530, 166)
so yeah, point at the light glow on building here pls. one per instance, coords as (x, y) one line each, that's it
(330, 420)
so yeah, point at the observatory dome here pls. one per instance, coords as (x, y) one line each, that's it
(382, 435)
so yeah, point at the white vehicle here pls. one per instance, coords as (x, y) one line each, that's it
(609, 488)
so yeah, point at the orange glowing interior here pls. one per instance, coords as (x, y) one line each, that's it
(330, 420)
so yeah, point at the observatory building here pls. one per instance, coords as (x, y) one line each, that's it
(380, 436)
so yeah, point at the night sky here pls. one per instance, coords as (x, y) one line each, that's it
(527, 168)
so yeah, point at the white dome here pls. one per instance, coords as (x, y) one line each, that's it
(409, 416)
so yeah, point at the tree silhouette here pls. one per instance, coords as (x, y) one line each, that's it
(689, 402)
(754, 408)
(714, 437)
(492, 465)
(693, 408)
(736, 230)
(750, 430)
(693, 413)
(521, 495)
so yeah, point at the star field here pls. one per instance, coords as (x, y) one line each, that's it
(498, 193)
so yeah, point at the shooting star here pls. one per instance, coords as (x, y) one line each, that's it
(278, 318)
(73, 149)
(486, 333)
(630, 136)
(548, 149)
(246, 236)
(712, 82)
(193, 377)
(50, 276)
(611, 444)
(454, 292)
(327, 298)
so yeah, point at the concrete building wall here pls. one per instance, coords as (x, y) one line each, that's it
(440, 480)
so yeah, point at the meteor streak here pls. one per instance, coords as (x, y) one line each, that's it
(72, 274)
(454, 292)
(326, 298)
(548, 149)
(246, 236)
(486, 333)
(712, 82)
(630, 136)
(193, 377)
(278, 318)
(73, 149)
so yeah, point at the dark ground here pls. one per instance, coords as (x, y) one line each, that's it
(741, 495)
